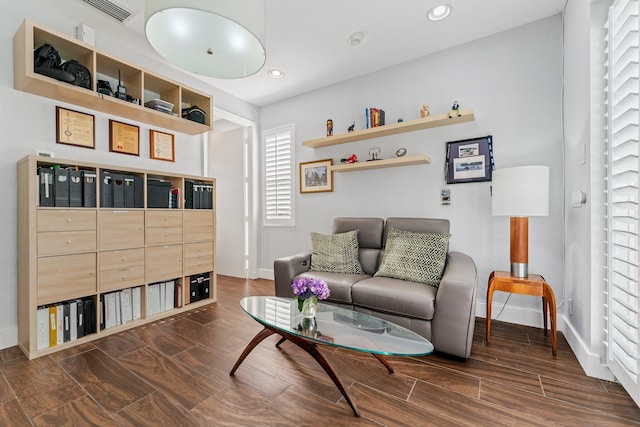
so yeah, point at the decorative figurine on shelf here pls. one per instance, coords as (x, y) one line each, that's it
(374, 154)
(400, 120)
(329, 127)
(401, 152)
(455, 110)
(351, 159)
(351, 128)
(424, 111)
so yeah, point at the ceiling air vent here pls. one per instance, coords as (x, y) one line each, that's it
(114, 9)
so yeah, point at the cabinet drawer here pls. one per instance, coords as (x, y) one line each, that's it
(194, 250)
(121, 229)
(198, 217)
(163, 262)
(66, 277)
(121, 259)
(198, 265)
(66, 220)
(193, 233)
(112, 280)
(64, 242)
(164, 235)
(164, 218)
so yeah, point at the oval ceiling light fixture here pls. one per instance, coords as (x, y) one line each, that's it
(276, 74)
(438, 13)
(355, 39)
(216, 38)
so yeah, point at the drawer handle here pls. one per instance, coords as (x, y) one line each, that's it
(124, 258)
(123, 278)
(68, 242)
(68, 219)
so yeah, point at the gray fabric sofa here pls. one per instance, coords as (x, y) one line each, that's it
(444, 315)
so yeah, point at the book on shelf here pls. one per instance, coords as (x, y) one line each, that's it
(374, 117)
(62, 322)
(135, 303)
(42, 328)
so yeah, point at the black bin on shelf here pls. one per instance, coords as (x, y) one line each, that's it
(158, 194)
(199, 287)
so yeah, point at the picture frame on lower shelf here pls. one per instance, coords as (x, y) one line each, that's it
(316, 176)
(469, 160)
(124, 138)
(75, 128)
(161, 146)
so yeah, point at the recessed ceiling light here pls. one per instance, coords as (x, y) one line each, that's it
(355, 39)
(438, 13)
(276, 74)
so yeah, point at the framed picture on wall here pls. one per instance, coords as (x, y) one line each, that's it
(75, 128)
(469, 160)
(316, 176)
(124, 138)
(161, 146)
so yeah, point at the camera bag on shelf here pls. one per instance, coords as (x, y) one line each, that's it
(81, 74)
(195, 114)
(46, 61)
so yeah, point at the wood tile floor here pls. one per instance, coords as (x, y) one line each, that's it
(175, 372)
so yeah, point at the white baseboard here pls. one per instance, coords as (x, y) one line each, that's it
(266, 273)
(589, 361)
(8, 337)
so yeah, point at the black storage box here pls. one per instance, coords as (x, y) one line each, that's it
(199, 287)
(158, 194)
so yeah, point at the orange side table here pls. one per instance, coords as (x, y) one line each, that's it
(534, 285)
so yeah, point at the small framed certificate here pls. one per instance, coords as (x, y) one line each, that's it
(75, 128)
(124, 138)
(161, 146)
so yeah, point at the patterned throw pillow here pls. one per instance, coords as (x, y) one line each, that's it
(417, 257)
(336, 253)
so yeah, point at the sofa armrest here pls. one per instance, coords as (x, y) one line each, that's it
(286, 268)
(455, 311)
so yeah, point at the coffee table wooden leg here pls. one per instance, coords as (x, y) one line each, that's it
(384, 361)
(280, 342)
(318, 357)
(260, 336)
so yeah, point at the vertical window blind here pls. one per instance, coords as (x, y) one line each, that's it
(278, 178)
(623, 106)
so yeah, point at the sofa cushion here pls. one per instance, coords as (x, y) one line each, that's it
(417, 257)
(337, 253)
(399, 297)
(339, 283)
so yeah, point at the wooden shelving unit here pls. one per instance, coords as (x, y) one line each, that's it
(392, 129)
(385, 163)
(140, 83)
(71, 253)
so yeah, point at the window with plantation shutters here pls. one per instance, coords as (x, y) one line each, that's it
(623, 106)
(278, 176)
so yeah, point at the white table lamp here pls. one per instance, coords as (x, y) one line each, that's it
(520, 192)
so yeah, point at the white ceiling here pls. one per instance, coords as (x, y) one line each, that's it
(308, 39)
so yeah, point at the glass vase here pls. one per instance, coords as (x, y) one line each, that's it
(309, 307)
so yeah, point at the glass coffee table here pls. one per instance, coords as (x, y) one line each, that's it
(332, 326)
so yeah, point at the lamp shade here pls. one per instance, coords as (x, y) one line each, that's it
(214, 38)
(520, 191)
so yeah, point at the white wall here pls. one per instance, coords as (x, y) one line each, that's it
(584, 236)
(27, 122)
(512, 81)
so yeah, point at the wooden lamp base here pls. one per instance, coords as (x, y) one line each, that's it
(520, 246)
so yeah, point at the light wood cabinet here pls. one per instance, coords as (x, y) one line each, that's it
(66, 254)
(141, 84)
